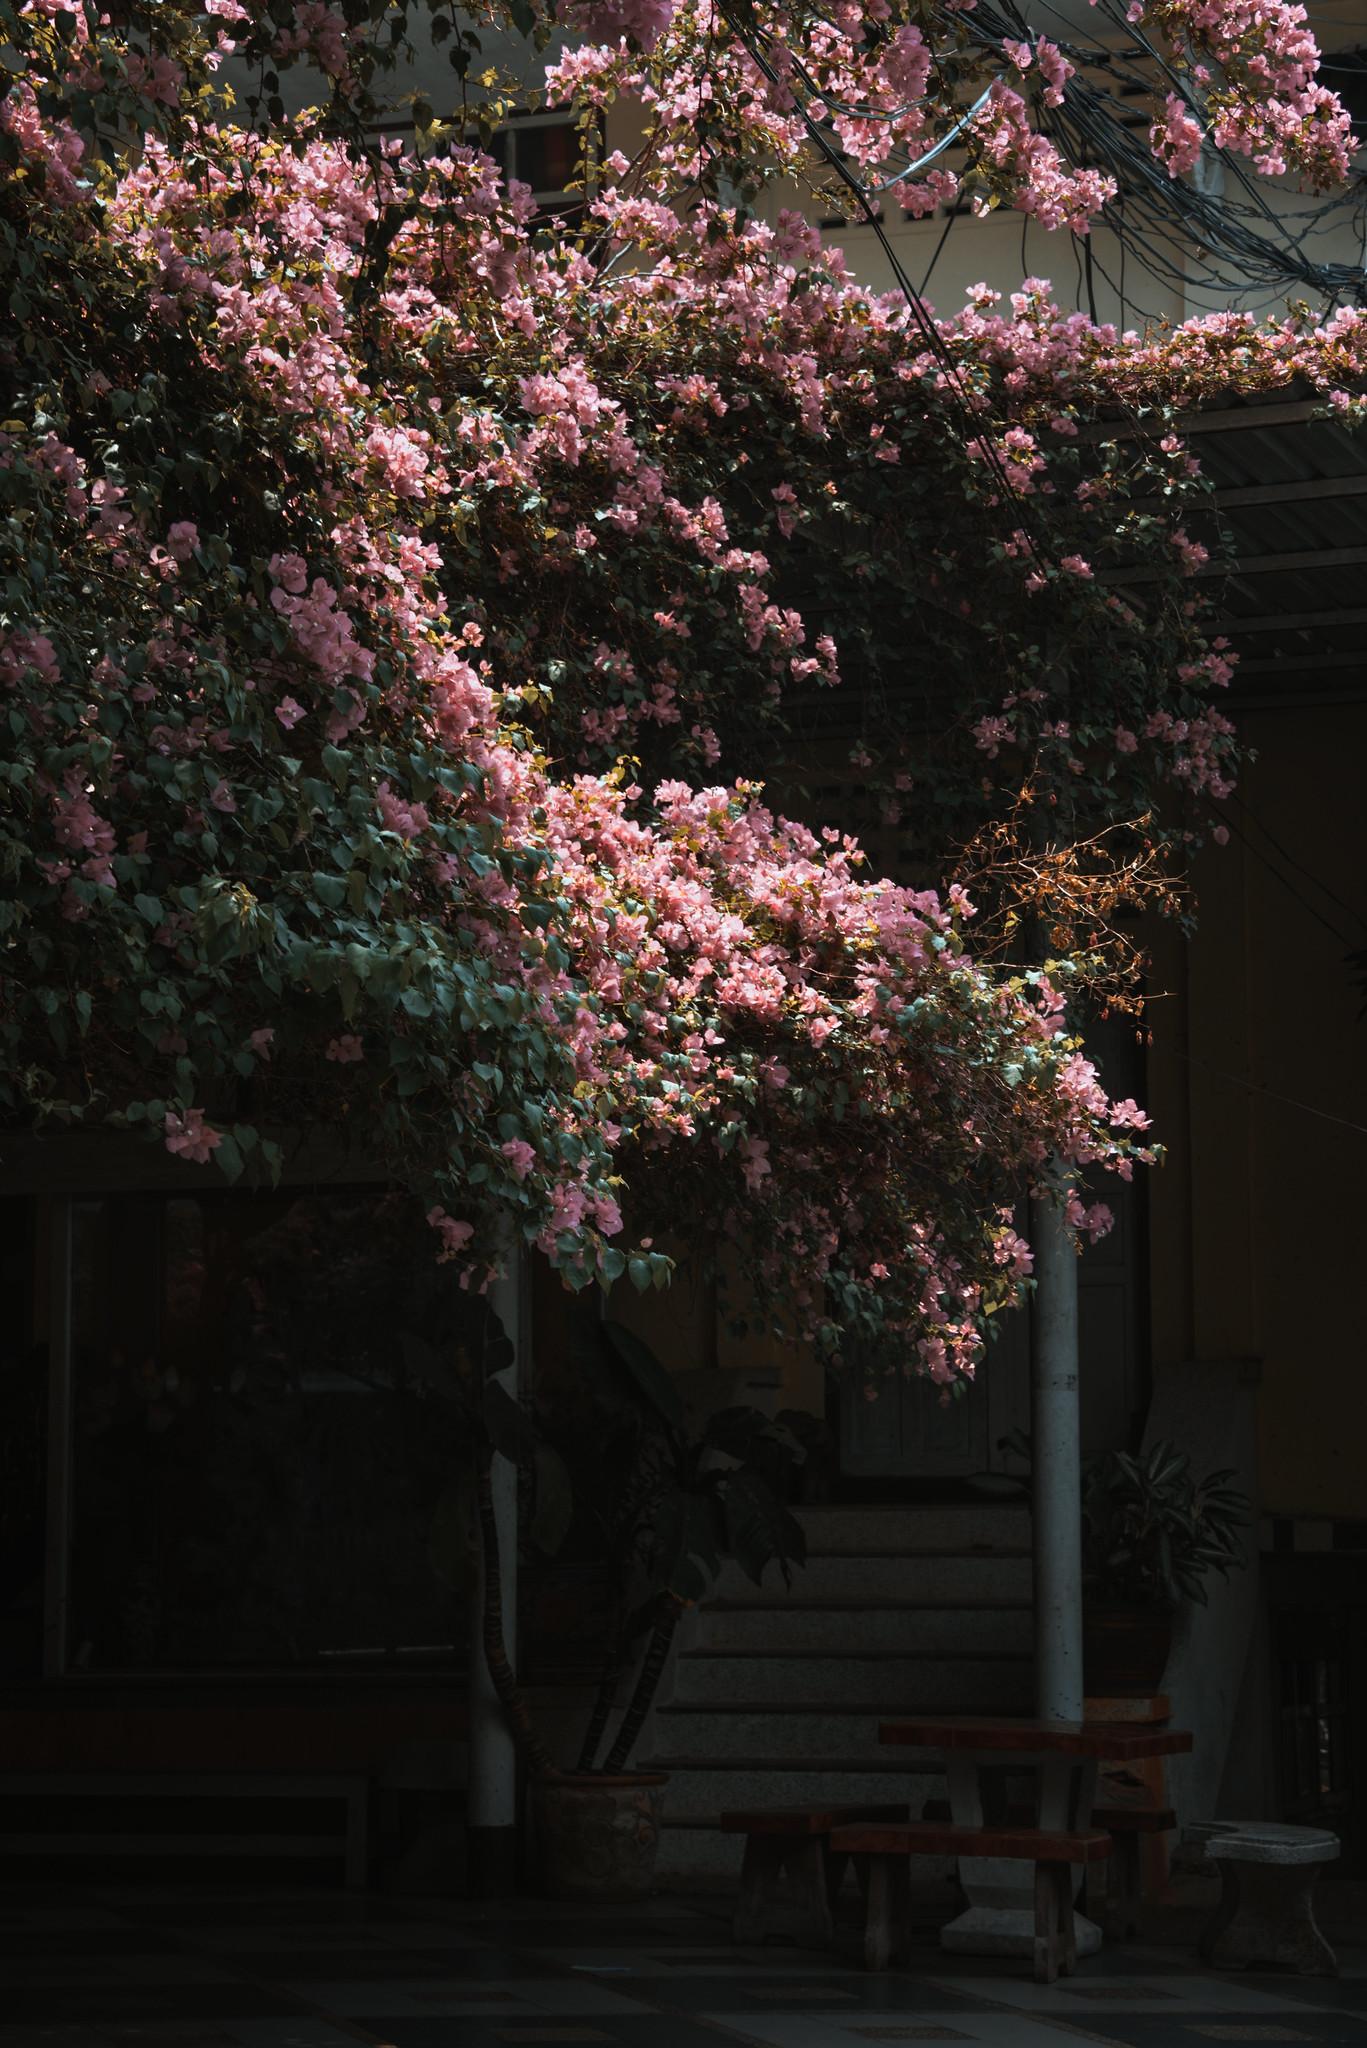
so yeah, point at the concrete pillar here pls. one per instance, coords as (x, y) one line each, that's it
(492, 1800)
(1057, 1473)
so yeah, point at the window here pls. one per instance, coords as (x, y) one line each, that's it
(1314, 1717)
(543, 151)
(257, 1478)
(1345, 72)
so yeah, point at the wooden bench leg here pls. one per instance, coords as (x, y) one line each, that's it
(1046, 1927)
(784, 1889)
(1055, 1929)
(835, 1868)
(1067, 1919)
(1122, 1908)
(759, 1878)
(1097, 1895)
(887, 1910)
(809, 1876)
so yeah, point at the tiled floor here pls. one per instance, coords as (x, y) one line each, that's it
(183, 1969)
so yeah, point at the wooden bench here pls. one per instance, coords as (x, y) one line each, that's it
(884, 1849)
(790, 1878)
(1114, 1889)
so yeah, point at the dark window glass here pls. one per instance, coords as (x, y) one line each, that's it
(547, 155)
(257, 1471)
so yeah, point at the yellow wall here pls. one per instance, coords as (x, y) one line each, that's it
(1262, 1031)
(690, 1329)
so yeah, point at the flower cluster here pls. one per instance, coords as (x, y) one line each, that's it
(357, 532)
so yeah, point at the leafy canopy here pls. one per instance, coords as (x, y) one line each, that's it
(381, 577)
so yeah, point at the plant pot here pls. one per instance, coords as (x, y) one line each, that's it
(597, 1836)
(1125, 1650)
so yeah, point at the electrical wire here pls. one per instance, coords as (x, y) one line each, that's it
(951, 215)
(1192, 1059)
(1349, 945)
(1230, 245)
(922, 318)
(1291, 859)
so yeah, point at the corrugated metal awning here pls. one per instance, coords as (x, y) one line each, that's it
(1291, 490)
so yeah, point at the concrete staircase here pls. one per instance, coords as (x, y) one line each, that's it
(777, 1692)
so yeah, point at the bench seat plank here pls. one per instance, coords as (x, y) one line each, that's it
(1114, 1893)
(806, 1820)
(1117, 1820)
(948, 1838)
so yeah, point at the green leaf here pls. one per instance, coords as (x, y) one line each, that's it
(759, 1529)
(498, 1352)
(330, 890)
(509, 1428)
(228, 1157)
(645, 1371)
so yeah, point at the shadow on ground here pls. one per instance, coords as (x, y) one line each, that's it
(297, 1969)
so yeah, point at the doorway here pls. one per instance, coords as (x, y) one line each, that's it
(915, 1436)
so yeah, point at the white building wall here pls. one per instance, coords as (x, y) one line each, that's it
(1000, 249)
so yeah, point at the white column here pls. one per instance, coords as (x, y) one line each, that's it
(491, 1809)
(1057, 1474)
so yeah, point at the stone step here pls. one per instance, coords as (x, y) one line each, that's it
(699, 1790)
(921, 1579)
(778, 1690)
(990, 1528)
(827, 1628)
(920, 1684)
(820, 1730)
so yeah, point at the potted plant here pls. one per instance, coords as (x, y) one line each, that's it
(671, 1506)
(1151, 1533)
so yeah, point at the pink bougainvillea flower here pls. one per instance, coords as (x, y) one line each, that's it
(454, 1234)
(189, 1137)
(520, 1156)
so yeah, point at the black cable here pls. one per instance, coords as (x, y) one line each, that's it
(1349, 945)
(950, 219)
(925, 324)
(1287, 855)
(1246, 258)
(1192, 1059)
